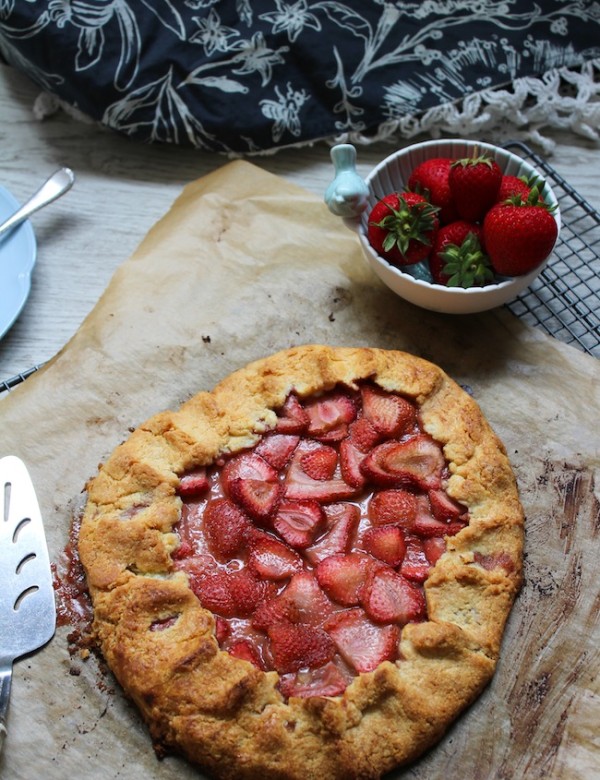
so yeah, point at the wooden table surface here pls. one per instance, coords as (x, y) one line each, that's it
(122, 189)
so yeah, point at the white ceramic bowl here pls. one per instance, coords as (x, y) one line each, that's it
(392, 175)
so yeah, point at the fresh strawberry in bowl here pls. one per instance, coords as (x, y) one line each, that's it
(519, 234)
(458, 258)
(443, 267)
(402, 227)
(432, 179)
(474, 185)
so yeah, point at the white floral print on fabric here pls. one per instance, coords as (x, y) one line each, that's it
(236, 76)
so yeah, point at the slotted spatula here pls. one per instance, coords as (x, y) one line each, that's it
(27, 607)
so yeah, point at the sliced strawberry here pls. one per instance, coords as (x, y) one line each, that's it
(299, 485)
(497, 561)
(363, 435)
(197, 566)
(342, 576)
(193, 483)
(386, 543)
(327, 680)
(393, 507)
(426, 525)
(274, 610)
(213, 593)
(434, 548)
(244, 649)
(164, 623)
(361, 643)
(257, 497)
(270, 559)
(329, 416)
(390, 414)
(415, 565)
(184, 550)
(307, 585)
(302, 601)
(298, 522)
(247, 591)
(296, 646)
(444, 507)
(319, 463)
(225, 527)
(342, 523)
(388, 597)
(416, 461)
(222, 629)
(277, 448)
(252, 483)
(248, 465)
(350, 459)
(230, 593)
(292, 418)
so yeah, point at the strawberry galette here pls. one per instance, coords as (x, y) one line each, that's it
(307, 571)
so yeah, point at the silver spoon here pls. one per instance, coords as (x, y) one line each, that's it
(60, 182)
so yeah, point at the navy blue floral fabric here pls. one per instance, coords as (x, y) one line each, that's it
(242, 76)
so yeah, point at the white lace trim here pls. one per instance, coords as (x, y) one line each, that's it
(562, 99)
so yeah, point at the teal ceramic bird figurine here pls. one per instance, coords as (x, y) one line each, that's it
(346, 196)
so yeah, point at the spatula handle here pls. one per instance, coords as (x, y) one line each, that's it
(5, 681)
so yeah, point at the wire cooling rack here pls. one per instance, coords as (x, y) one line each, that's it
(564, 300)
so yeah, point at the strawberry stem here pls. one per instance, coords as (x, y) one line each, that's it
(467, 265)
(408, 223)
(533, 199)
(468, 161)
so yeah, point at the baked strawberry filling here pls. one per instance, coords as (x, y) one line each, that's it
(311, 549)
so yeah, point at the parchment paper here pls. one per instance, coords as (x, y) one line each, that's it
(245, 264)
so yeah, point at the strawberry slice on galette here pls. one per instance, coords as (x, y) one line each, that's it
(306, 572)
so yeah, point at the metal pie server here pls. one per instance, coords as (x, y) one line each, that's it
(27, 607)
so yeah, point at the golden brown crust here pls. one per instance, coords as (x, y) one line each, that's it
(220, 711)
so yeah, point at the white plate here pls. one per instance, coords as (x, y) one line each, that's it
(17, 259)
